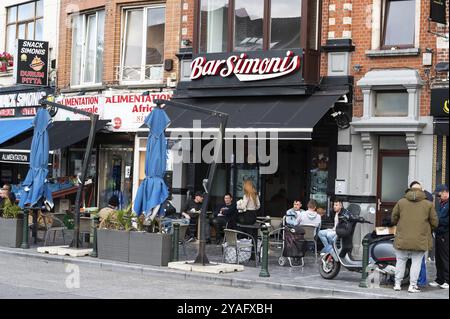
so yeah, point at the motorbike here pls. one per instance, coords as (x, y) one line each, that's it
(381, 255)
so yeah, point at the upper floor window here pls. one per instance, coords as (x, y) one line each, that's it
(249, 25)
(399, 23)
(143, 45)
(24, 21)
(391, 103)
(87, 48)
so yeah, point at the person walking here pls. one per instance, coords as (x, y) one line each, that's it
(415, 218)
(441, 239)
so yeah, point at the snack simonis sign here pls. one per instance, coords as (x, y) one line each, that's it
(31, 67)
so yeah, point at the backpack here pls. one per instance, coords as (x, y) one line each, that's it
(344, 228)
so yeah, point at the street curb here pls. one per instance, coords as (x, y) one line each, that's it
(214, 278)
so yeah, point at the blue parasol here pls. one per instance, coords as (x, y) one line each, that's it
(153, 190)
(35, 185)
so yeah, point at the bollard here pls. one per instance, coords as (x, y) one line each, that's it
(265, 257)
(94, 240)
(25, 244)
(175, 240)
(365, 263)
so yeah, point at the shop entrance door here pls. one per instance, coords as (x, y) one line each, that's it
(115, 175)
(393, 167)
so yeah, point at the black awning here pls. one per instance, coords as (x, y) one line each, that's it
(293, 117)
(441, 126)
(60, 134)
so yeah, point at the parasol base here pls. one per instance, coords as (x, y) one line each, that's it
(64, 251)
(212, 268)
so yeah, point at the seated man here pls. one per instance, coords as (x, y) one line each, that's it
(225, 213)
(169, 214)
(7, 195)
(192, 212)
(113, 205)
(293, 214)
(311, 217)
(328, 236)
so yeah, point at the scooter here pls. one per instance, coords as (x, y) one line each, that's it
(381, 255)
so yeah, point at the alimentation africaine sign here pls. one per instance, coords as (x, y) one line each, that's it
(247, 67)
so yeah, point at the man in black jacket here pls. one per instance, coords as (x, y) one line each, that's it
(192, 212)
(225, 213)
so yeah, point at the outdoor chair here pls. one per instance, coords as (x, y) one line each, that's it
(310, 236)
(231, 238)
(52, 223)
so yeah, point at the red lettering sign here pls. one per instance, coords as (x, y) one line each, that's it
(245, 68)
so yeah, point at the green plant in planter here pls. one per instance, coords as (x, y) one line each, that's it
(10, 210)
(119, 220)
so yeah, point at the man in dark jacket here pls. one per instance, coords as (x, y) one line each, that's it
(225, 213)
(441, 239)
(192, 212)
(415, 218)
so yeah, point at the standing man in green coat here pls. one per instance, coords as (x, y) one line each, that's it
(415, 218)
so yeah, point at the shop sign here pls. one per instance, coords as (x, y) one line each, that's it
(246, 69)
(31, 67)
(87, 103)
(127, 112)
(14, 157)
(437, 11)
(17, 99)
(439, 102)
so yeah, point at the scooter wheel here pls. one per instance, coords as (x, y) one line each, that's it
(282, 261)
(328, 266)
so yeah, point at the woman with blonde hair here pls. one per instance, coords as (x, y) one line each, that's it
(249, 204)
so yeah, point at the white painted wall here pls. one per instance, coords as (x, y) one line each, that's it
(51, 30)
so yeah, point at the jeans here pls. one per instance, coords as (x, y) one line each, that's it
(416, 262)
(167, 224)
(327, 237)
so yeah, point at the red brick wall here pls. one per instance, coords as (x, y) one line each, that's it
(111, 58)
(361, 33)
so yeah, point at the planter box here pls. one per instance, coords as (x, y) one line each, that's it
(150, 248)
(113, 244)
(11, 231)
(134, 247)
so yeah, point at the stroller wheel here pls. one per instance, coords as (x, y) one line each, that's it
(282, 261)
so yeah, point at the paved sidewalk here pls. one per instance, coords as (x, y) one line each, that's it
(305, 279)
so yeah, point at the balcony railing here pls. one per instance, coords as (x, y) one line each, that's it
(150, 73)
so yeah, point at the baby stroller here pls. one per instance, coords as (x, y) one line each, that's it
(294, 245)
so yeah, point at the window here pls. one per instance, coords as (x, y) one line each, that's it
(256, 24)
(24, 21)
(213, 26)
(143, 45)
(399, 23)
(248, 25)
(87, 48)
(285, 24)
(391, 103)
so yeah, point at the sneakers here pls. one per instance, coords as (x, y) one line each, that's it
(444, 285)
(413, 289)
(397, 287)
(434, 284)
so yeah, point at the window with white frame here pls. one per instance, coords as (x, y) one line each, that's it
(87, 48)
(391, 103)
(399, 23)
(24, 21)
(143, 45)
